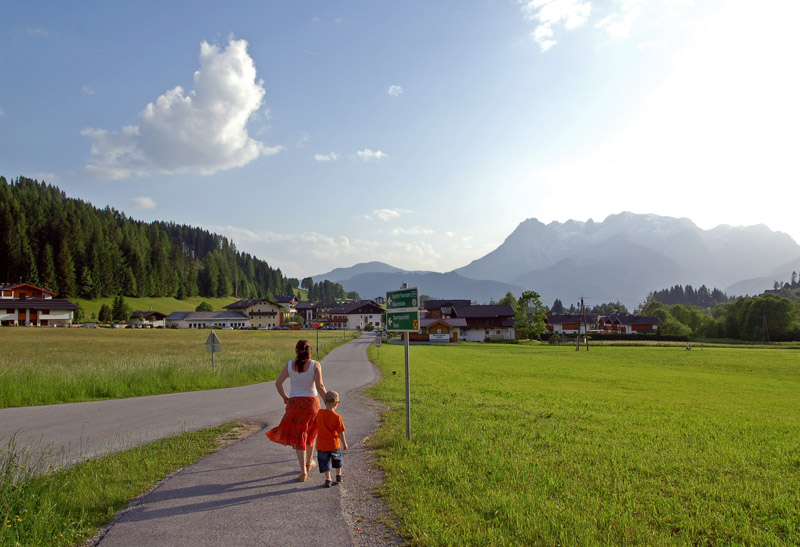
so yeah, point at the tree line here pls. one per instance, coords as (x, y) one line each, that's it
(78, 250)
(701, 298)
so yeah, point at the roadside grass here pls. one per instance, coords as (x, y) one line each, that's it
(538, 445)
(165, 305)
(65, 507)
(50, 366)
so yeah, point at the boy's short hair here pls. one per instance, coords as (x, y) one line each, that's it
(331, 397)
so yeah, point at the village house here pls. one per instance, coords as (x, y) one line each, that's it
(355, 315)
(486, 322)
(23, 304)
(262, 312)
(628, 324)
(570, 323)
(152, 319)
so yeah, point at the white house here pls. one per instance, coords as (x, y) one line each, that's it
(207, 319)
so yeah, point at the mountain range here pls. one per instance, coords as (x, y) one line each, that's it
(622, 258)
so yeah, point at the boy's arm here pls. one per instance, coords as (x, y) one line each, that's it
(344, 441)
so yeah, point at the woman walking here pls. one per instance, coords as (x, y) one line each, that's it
(298, 428)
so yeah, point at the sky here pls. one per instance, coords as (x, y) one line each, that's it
(321, 134)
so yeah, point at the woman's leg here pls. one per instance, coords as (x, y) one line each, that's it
(301, 458)
(309, 456)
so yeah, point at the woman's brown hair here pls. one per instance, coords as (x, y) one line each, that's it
(303, 351)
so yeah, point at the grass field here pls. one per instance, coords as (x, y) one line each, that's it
(538, 445)
(47, 366)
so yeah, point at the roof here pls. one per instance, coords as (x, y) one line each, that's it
(453, 322)
(11, 286)
(560, 318)
(438, 304)
(206, 315)
(38, 304)
(359, 306)
(637, 320)
(484, 311)
(285, 298)
(148, 314)
(246, 303)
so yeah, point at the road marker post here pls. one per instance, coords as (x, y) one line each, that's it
(213, 346)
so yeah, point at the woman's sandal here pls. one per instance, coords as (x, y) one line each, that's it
(302, 478)
(310, 466)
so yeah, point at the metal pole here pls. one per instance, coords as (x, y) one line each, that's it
(213, 364)
(408, 395)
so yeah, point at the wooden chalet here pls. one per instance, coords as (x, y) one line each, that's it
(23, 304)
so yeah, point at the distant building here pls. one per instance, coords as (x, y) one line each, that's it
(262, 312)
(150, 318)
(207, 319)
(23, 304)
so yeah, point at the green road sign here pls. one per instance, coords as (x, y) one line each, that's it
(403, 298)
(402, 321)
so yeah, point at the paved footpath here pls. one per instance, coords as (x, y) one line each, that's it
(244, 494)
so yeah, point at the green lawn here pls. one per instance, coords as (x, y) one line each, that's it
(48, 366)
(538, 445)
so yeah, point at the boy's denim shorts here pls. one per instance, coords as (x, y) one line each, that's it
(328, 457)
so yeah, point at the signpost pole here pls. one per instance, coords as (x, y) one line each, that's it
(408, 394)
(213, 363)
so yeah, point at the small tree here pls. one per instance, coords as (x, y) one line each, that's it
(105, 314)
(530, 315)
(204, 306)
(120, 311)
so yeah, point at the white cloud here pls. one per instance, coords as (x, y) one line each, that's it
(142, 202)
(333, 156)
(303, 139)
(619, 26)
(413, 231)
(368, 154)
(395, 90)
(204, 131)
(87, 90)
(450, 234)
(389, 214)
(38, 31)
(550, 13)
(339, 20)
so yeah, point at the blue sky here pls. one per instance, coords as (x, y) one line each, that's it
(321, 134)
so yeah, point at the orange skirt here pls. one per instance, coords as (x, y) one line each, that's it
(298, 428)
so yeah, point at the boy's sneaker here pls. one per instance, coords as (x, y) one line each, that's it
(339, 478)
(328, 483)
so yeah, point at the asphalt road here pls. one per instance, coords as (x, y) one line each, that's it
(77, 431)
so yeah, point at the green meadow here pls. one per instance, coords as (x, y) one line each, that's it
(165, 305)
(40, 366)
(539, 445)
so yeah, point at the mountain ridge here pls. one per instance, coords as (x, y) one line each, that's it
(622, 258)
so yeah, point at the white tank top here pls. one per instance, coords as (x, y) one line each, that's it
(302, 382)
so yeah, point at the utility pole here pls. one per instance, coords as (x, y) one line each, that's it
(578, 336)
(585, 325)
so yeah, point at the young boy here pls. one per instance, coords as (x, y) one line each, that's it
(329, 429)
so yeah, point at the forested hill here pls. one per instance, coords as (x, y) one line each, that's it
(78, 250)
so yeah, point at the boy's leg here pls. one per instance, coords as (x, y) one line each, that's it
(338, 463)
(324, 458)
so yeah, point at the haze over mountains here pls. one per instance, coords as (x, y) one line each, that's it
(622, 258)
